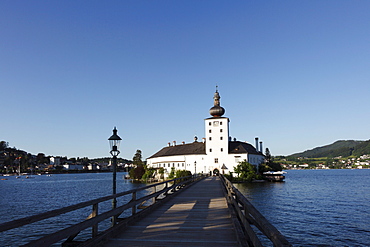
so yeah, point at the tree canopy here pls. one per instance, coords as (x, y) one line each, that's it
(139, 170)
(246, 171)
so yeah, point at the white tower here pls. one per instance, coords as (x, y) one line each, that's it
(217, 136)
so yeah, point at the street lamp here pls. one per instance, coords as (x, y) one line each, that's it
(195, 166)
(114, 142)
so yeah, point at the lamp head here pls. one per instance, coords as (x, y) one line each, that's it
(114, 142)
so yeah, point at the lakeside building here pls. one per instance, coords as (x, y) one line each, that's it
(215, 154)
(73, 167)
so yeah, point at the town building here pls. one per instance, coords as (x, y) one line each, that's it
(78, 167)
(55, 161)
(215, 154)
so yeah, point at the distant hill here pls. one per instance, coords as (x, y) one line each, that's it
(338, 148)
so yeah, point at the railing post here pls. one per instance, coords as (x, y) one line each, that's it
(155, 198)
(166, 186)
(114, 205)
(94, 214)
(174, 185)
(134, 199)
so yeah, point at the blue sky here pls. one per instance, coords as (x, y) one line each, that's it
(294, 73)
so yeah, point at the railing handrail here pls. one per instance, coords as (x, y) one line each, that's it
(92, 221)
(252, 216)
(52, 213)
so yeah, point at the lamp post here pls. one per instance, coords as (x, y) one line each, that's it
(114, 142)
(195, 166)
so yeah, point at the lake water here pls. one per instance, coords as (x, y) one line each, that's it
(311, 208)
(25, 197)
(317, 207)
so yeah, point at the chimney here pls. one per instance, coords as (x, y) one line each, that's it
(261, 149)
(169, 144)
(183, 143)
(174, 143)
(204, 140)
(256, 143)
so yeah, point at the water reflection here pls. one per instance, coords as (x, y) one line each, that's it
(316, 208)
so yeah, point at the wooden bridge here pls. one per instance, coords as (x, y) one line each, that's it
(194, 211)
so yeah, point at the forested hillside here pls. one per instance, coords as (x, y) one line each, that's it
(338, 148)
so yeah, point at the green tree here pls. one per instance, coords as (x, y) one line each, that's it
(3, 145)
(172, 173)
(139, 170)
(270, 165)
(268, 156)
(149, 172)
(182, 173)
(161, 172)
(246, 171)
(41, 159)
(137, 159)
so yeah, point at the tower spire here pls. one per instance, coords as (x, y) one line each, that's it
(216, 98)
(216, 110)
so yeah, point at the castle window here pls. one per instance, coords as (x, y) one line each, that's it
(210, 123)
(210, 149)
(221, 138)
(210, 131)
(210, 138)
(222, 149)
(220, 123)
(216, 160)
(220, 130)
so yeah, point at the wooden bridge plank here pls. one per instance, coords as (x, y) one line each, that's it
(199, 216)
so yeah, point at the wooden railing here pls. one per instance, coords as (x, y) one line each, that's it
(248, 215)
(160, 192)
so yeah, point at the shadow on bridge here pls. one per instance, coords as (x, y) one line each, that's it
(199, 216)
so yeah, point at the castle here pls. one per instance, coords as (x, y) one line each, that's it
(216, 153)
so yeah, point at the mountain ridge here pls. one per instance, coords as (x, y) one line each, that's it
(342, 148)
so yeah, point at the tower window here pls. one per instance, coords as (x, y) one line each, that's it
(222, 149)
(210, 149)
(216, 160)
(220, 123)
(210, 123)
(210, 131)
(221, 138)
(220, 130)
(210, 138)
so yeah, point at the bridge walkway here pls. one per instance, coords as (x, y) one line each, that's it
(198, 217)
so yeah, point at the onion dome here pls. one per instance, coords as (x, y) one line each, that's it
(216, 110)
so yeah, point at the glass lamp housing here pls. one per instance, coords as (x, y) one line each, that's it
(114, 142)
